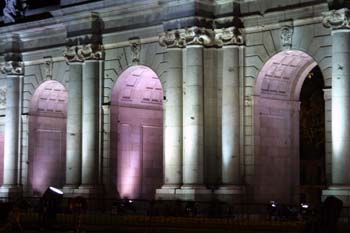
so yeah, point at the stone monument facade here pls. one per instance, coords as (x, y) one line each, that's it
(195, 99)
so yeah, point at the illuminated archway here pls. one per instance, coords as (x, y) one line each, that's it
(276, 125)
(47, 136)
(137, 132)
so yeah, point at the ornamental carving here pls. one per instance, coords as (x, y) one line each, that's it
(3, 91)
(180, 38)
(12, 68)
(337, 19)
(286, 36)
(80, 53)
(228, 36)
(135, 47)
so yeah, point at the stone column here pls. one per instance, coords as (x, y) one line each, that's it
(172, 126)
(90, 119)
(74, 122)
(230, 117)
(14, 73)
(230, 41)
(193, 118)
(339, 22)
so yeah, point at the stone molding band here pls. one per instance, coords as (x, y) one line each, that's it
(180, 38)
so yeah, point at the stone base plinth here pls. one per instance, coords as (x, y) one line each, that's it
(71, 190)
(10, 191)
(230, 194)
(166, 193)
(194, 193)
(341, 192)
(89, 191)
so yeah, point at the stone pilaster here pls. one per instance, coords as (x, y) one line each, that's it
(90, 119)
(172, 117)
(14, 72)
(339, 22)
(230, 40)
(74, 120)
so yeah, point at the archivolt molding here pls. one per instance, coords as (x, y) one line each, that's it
(180, 38)
(337, 19)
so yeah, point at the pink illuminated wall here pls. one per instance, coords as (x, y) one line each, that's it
(137, 133)
(47, 137)
(276, 126)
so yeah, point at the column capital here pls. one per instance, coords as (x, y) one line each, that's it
(337, 19)
(81, 53)
(12, 68)
(228, 36)
(180, 38)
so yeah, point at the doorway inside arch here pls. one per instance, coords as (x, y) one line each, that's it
(287, 89)
(312, 138)
(47, 137)
(137, 133)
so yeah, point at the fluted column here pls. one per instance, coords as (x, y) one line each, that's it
(172, 119)
(14, 72)
(339, 22)
(74, 121)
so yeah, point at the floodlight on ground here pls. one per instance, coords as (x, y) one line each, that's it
(56, 190)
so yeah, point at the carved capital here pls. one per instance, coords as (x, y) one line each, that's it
(81, 53)
(337, 19)
(180, 38)
(91, 52)
(173, 39)
(286, 36)
(71, 54)
(228, 36)
(12, 68)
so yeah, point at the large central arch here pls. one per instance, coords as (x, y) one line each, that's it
(276, 120)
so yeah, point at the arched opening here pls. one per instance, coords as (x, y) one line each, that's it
(47, 137)
(137, 133)
(312, 138)
(280, 92)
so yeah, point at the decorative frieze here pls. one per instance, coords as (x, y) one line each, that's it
(181, 38)
(80, 53)
(286, 36)
(337, 19)
(12, 68)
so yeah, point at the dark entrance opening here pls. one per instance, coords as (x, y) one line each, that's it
(312, 138)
